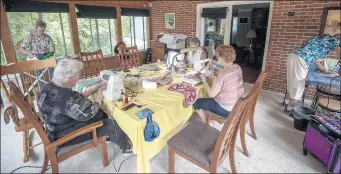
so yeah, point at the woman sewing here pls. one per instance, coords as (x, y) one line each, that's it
(226, 89)
(301, 58)
(194, 56)
(65, 110)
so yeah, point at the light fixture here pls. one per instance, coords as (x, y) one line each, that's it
(251, 34)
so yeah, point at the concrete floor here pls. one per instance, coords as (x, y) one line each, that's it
(277, 150)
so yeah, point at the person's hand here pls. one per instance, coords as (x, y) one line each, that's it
(98, 97)
(203, 77)
(103, 85)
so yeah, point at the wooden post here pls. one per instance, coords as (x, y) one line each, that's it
(6, 38)
(74, 28)
(118, 25)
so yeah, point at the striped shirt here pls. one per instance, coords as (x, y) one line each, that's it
(228, 86)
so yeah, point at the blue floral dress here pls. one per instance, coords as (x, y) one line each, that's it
(316, 47)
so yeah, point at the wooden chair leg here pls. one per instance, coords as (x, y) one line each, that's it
(242, 139)
(208, 119)
(26, 145)
(104, 152)
(171, 160)
(53, 160)
(232, 162)
(213, 170)
(46, 161)
(252, 127)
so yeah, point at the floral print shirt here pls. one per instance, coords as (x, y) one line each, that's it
(38, 44)
(316, 47)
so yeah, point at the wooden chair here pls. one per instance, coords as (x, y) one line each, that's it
(204, 145)
(50, 152)
(254, 93)
(130, 57)
(93, 63)
(25, 75)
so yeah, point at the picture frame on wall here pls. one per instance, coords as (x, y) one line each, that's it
(331, 22)
(170, 20)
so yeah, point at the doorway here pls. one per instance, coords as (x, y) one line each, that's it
(244, 24)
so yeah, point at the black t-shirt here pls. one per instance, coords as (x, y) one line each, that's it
(65, 110)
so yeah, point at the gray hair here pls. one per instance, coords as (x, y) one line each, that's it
(65, 69)
(41, 24)
(194, 41)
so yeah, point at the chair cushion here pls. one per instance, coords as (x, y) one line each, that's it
(197, 141)
(333, 105)
(325, 89)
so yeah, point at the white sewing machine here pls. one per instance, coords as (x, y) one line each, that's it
(115, 86)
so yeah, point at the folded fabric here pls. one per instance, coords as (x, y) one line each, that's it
(85, 83)
(321, 74)
(144, 113)
(190, 93)
(152, 130)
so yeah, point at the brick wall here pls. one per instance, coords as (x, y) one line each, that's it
(185, 16)
(286, 32)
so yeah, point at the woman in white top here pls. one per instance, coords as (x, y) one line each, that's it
(194, 56)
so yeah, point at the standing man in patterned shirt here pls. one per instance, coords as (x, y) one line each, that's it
(40, 45)
(301, 58)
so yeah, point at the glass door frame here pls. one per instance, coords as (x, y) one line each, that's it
(200, 22)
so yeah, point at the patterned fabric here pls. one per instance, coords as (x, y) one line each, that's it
(39, 44)
(191, 93)
(316, 47)
(152, 130)
(64, 110)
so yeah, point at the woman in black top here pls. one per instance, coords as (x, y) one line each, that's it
(65, 110)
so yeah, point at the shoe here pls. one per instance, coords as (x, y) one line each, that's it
(127, 152)
(289, 112)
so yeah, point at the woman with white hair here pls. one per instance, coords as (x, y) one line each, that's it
(195, 56)
(65, 110)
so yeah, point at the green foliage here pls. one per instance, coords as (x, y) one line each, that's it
(92, 37)
(21, 24)
(2, 56)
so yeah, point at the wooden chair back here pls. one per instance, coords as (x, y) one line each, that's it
(28, 111)
(129, 57)
(93, 63)
(253, 94)
(227, 136)
(26, 77)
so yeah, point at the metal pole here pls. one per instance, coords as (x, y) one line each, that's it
(61, 25)
(96, 21)
(92, 38)
(110, 36)
(134, 30)
(144, 43)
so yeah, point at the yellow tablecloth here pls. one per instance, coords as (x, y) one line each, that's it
(169, 113)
